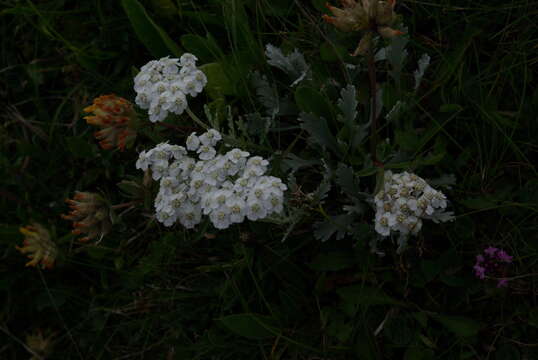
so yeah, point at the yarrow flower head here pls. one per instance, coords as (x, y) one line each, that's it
(492, 264)
(365, 15)
(90, 214)
(162, 85)
(404, 201)
(225, 187)
(117, 120)
(38, 245)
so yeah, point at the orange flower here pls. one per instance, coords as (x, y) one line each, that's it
(90, 214)
(369, 15)
(116, 118)
(38, 245)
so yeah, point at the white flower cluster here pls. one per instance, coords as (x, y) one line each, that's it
(404, 200)
(226, 187)
(162, 85)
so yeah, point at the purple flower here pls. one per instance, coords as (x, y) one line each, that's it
(479, 271)
(503, 256)
(502, 283)
(479, 259)
(491, 251)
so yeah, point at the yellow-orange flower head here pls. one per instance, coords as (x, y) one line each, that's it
(38, 245)
(368, 15)
(116, 118)
(90, 214)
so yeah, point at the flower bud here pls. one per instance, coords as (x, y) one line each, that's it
(37, 243)
(117, 120)
(90, 214)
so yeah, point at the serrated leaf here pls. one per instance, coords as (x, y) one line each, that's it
(334, 225)
(152, 35)
(250, 326)
(293, 64)
(459, 325)
(319, 130)
(345, 178)
(267, 94)
(348, 104)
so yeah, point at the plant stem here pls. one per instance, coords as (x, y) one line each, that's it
(124, 205)
(196, 119)
(373, 103)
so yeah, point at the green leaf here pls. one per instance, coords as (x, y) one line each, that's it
(310, 100)
(250, 326)
(345, 178)
(319, 130)
(218, 82)
(152, 36)
(348, 105)
(459, 325)
(205, 48)
(333, 225)
(333, 261)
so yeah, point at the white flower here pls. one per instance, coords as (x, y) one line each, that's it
(143, 161)
(216, 185)
(206, 152)
(161, 85)
(402, 204)
(237, 208)
(165, 217)
(187, 60)
(255, 209)
(236, 155)
(210, 138)
(220, 217)
(193, 142)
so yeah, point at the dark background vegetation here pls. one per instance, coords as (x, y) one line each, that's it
(151, 292)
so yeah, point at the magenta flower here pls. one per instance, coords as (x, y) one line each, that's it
(504, 257)
(492, 264)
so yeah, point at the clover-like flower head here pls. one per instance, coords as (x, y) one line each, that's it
(90, 214)
(38, 245)
(117, 120)
(367, 15)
